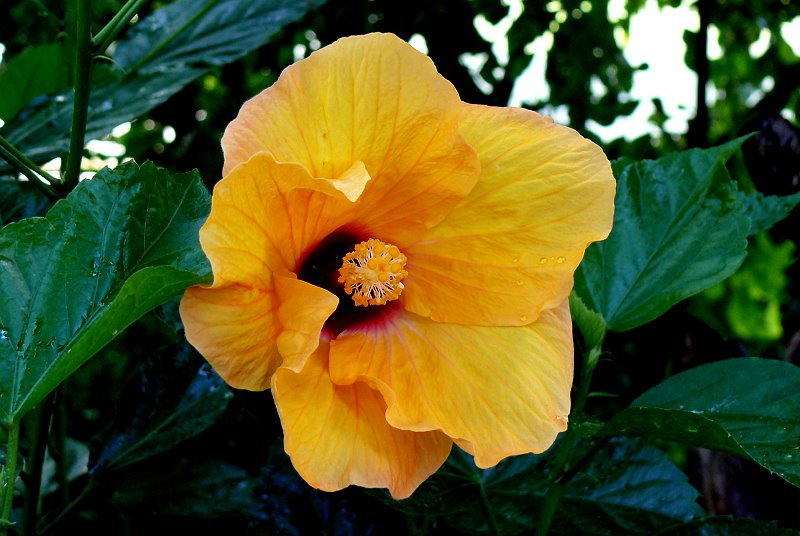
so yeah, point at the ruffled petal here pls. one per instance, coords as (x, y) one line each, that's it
(499, 391)
(235, 328)
(338, 435)
(509, 250)
(247, 333)
(372, 99)
(265, 215)
(303, 311)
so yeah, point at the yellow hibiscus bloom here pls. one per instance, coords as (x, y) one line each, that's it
(395, 264)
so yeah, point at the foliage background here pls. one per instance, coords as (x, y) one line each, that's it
(167, 447)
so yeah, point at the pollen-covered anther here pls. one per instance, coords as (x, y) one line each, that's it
(372, 273)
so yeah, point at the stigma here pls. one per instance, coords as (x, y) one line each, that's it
(372, 273)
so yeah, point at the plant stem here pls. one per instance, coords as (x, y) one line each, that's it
(561, 464)
(110, 31)
(9, 147)
(39, 422)
(39, 177)
(9, 476)
(80, 109)
(25, 170)
(60, 433)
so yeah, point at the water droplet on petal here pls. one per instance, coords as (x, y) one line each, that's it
(520, 282)
(515, 260)
(543, 260)
(523, 318)
(560, 260)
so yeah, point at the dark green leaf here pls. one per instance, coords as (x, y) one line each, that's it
(678, 229)
(119, 245)
(726, 526)
(35, 72)
(765, 211)
(745, 406)
(627, 488)
(167, 54)
(204, 490)
(157, 422)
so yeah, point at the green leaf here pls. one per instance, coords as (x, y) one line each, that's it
(157, 422)
(627, 488)
(34, 72)
(204, 490)
(745, 406)
(119, 245)
(679, 228)
(173, 46)
(765, 211)
(591, 323)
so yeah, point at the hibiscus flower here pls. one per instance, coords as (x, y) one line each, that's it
(394, 264)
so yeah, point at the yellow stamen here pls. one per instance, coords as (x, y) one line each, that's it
(372, 273)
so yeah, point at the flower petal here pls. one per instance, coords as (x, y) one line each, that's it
(502, 390)
(373, 99)
(303, 311)
(338, 435)
(234, 327)
(264, 215)
(247, 333)
(510, 248)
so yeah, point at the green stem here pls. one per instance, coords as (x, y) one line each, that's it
(110, 31)
(9, 476)
(80, 109)
(60, 446)
(39, 177)
(561, 465)
(39, 423)
(166, 42)
(32, 177)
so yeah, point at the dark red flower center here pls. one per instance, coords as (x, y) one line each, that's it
(320, 267)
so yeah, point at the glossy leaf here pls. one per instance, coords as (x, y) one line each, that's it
(765, 211)
(163, 53)
(679, 228)
(626, 488)
(119, 245)
(745, 406)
